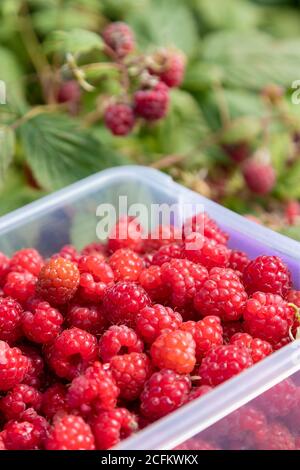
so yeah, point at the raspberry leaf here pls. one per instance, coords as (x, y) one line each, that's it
(77, 41)
(7, 148)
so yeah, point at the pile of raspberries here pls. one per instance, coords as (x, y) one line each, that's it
(97, 344)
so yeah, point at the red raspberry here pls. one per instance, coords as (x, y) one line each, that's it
(23, 435)
(174, 350)
(21, 286)
(222, 294)
(119, 340)
(204, 251)
(201, 223)
(151, 280)
(275, 437)
(126, 265)
(292, 212)
(110, 427)
(2, 445)
(119, 37)
(184, 279)
(69, 91)
(260, 177)
(58, 281)
(169, 66)
(90, 319)
(19, 399)
(222, 363)
(54, 400)
(71, 352)
(293, 297)
(207, 333)
(163, 393)
(196, 443)
(4, 268)
(13, 366)
(95, 248)
(96, 387)
(268, 317)
(280, 344)
(231, 328)
(130, 372)
(152, 321)
(35, 366)
(258, 348)
(238, 261)
(127, 233)
(238, 152)
(119, 118)
(123, 301)
(162, 235)
(44, 325)
(152, 103)
(95, 276)
(70, 432)
(166, 253)
(10, 319)
(28, 260)
(267, 274)
(68, 252)
(279, 400)
(198, 392)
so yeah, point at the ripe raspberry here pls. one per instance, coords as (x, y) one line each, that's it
(197, 392)
(258, 348)
(119, 340)
(184, 279)
(2, 445)
(268, 317)
(13, 366)
(279, 400)
(126, 265)
(151, 280)
(58, 281)
(95, 248)
(90, 319)
(130, 372)
(207, 333)
(94, 388)
(152, 321)
(222, 363)
(70, 432)
(119, 37)
(163, 393)
(238, 261)
(71, 352)
(222, 294)
(162, 235)
(10, 319)
(201, 223)
(260, 177)
(196, 443)
(20, 286)
(204, 251)
(169, 66)
(110, 427)
(69, 91)
(68, 252)
(54, 400)
(267, 274)
(22, 435)
(152, 103)
(119, 118)
(19, 399)
(35, 367)
(4, 268)
(123, 301)
(231, 328)
(26, 260)
(280, 344)
(166, 253)
(95, 276)
(293, 297)
(44, 325)
(275, 437)
(127, 233)
(174, 350)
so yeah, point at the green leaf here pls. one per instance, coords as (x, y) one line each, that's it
(280, 147)
(292, 232)
(65, 16)
(12, 76)
(77, 41)
(7, 149)
(288, 185)
(59, 152)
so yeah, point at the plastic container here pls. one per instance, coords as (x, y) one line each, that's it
(69, 215)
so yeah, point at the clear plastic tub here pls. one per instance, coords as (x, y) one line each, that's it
(69, 215)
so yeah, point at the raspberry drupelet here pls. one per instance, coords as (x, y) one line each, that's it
(119, 339)
(152, 321)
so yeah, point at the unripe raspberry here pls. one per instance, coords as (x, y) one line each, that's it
(175, 350)
(119, 37)
(152, 103)
(69, 92)
(119, 118)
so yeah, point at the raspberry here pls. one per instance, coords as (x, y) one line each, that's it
(292, 212)
(21, 436)
(69, 91)
(2, 445)
(95, 248)
(110, 427)
(231, 328)
(166, 253)
(28, 260)
(119, 340)
(279, 400)
(174, 350)
(21, 286)
(90, 319)
(95, 276)
(44, 325)
(184, 279)
(260, 177)
(4, 268)
(71, 352)
(293, 297)
(19, 399)
(196, 443)
(204, 251)
(152, 321)
(35, 366)
(123, 301)
(169, 66)
(126, 265)
(68, 252)
(258, 348)
(201, 223)
(198, 392)
(163, 393)
(238, 261)
(238, 152)
(119, 118)
(206, 333)
(70, 432)
(162, 235)
(267, 274)
(151, 280)
(152, 103)
(13, 366)
(10, 319)
(268, 317)
(119, 37)
(130, 372)
(96, 387)
(222, 363)
(127, 233)
(275, 437)
(58, 281)
(222, 294)
(54, 400)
